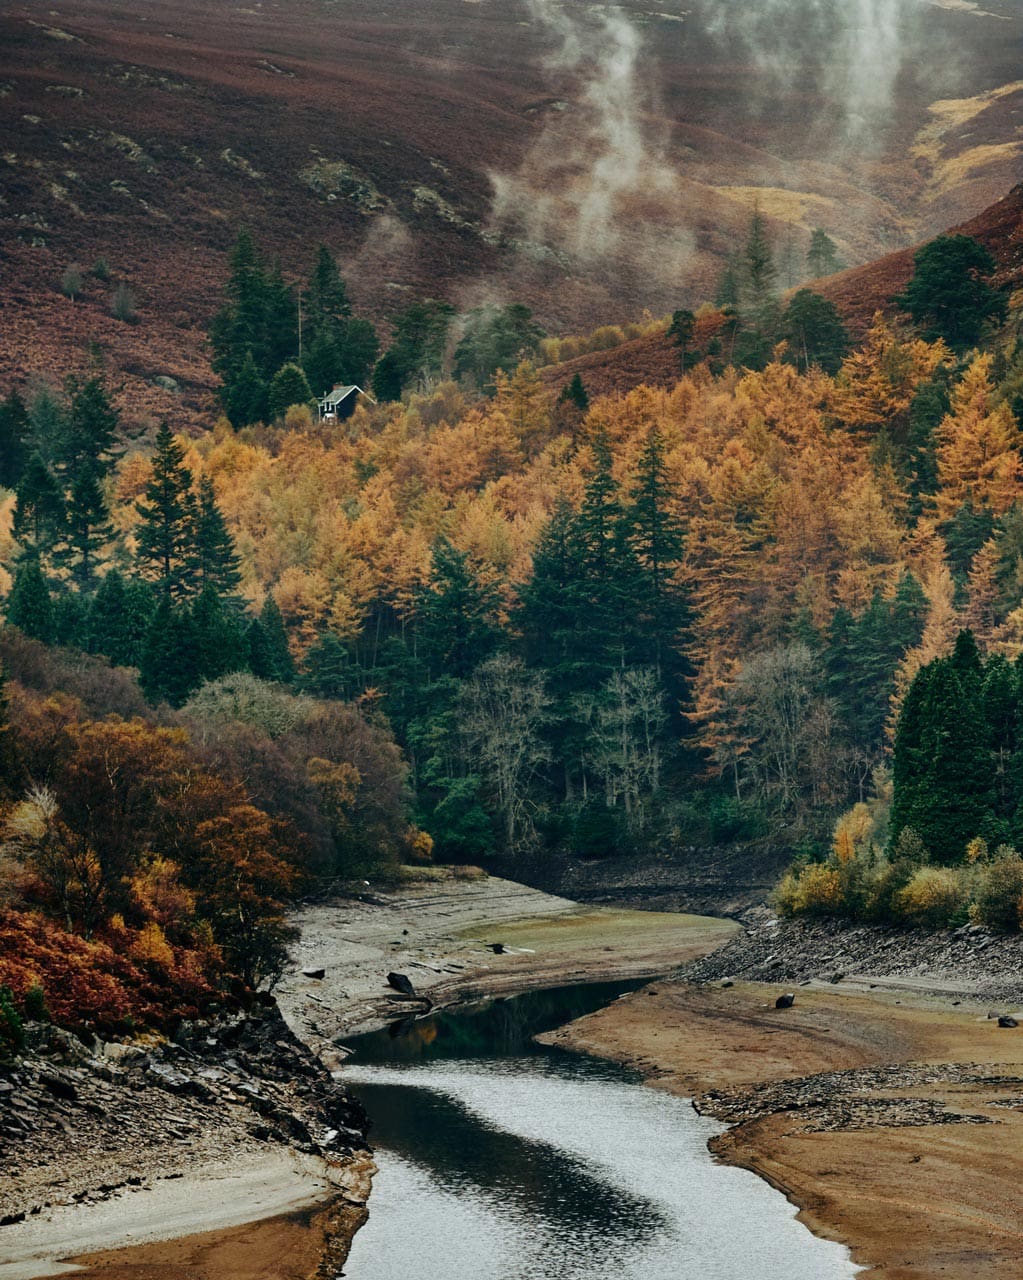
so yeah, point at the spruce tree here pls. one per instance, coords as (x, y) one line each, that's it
(165, 532)
(214, 560)
(455, 615)
(287, 387)
(71, 621)
(221, 646)
(119, 617)
(39, 506)
(245, 396)
(90, 428)
(29, 607)
(822, 256)
(281, 666)
(329, 670)
(14, 431)
(169, 670)
(758, 299)
(87, 527)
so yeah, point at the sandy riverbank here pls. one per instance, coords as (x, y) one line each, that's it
(917, 1167)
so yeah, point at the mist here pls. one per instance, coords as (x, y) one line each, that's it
(598, 182)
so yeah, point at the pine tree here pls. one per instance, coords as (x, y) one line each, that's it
(38, 507)
(29, 607)
(90, 428)
(220, 643)
(165, 532)
(169, 670)
(14, 431)
(281, 666)
(87, 526)
(214, 560)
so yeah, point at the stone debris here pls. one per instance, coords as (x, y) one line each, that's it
(83, 1122)
(862, 1098)
(966, 962)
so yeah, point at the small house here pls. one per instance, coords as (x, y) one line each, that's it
(339, 404)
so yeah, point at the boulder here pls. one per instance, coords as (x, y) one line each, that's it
(786, 1001)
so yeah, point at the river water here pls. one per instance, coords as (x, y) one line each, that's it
(503, 1161)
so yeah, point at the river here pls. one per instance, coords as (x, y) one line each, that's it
(501, 1160)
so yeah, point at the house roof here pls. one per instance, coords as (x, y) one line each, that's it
(338, 394)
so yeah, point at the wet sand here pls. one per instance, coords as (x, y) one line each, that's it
(913, 1202)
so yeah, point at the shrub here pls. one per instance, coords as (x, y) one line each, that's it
(814, 890)
(101, 269)
(71, 281)
(34, 1003)
(12, 1032)
(996, 901)
(933, 897)
(123, 304)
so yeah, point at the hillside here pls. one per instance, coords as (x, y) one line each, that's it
(858, 292)
(587, 162)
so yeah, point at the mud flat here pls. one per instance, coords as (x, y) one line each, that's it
(892, 1117)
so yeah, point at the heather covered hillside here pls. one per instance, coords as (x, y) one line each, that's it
(586, 162)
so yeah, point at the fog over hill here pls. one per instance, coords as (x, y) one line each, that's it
(589, 160)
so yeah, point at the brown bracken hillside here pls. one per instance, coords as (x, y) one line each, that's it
(456, 149)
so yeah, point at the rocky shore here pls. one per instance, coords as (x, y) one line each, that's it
(82, 1124)
(970, 963)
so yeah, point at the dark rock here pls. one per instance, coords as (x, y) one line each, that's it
(497, 948)
(313, 973)
(786, 1001)
(1006, 1021)
(836, 977)
(401, 982)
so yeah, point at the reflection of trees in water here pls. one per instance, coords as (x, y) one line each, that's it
(492, 1028)
(534, 1181)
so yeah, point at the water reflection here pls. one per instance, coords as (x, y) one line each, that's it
(502, 1161)
(493, 1028)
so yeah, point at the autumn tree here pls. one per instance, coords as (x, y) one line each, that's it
(978, 446)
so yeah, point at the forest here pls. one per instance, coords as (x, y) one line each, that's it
(482, 623)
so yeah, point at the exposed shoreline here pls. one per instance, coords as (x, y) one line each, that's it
(887, 1106)
(307, 1208)
(892, 1118)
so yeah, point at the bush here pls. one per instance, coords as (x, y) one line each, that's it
(815, 890)
(34, 1004)
(12, 1032)
(71, 281)
(123, 305)
(996, 901)
(934, 897)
